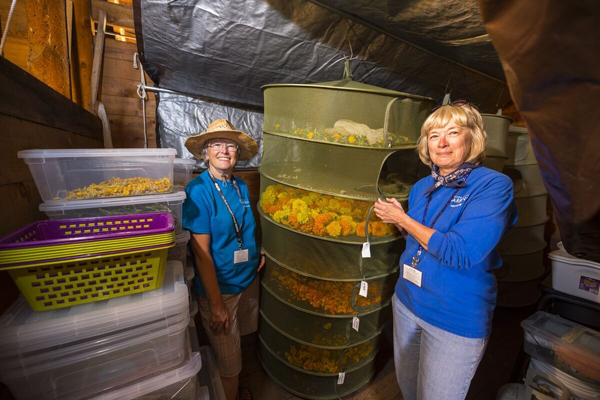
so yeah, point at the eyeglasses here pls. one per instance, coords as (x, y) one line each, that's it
(220, 146)
(457, 103)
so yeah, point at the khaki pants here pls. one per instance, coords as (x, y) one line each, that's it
(243, 312)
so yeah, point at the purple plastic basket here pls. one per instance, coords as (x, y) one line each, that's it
(76, 230)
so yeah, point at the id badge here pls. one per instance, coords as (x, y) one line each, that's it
(240, 256)
(412, 275)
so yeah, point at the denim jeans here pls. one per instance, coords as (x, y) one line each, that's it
(431, 363)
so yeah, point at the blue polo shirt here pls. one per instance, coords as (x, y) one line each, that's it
(458, 286)
(204, 212)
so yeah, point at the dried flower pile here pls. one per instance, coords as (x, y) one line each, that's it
(321, 214)
(115, 187)
(333, 135)
(324, 360)
(330, 296)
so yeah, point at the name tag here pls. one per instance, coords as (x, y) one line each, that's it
(412, 275)
(240, 256)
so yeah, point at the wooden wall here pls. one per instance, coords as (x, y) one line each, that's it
(32, 116)
(118, 93)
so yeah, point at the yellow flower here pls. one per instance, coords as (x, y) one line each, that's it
(337, 136)
(351, 139)
(277, 126)
(310, 135)
(334, 229)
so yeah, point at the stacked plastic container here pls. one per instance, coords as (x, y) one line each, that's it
(331, 150)
(117, 312)
(522, 248)
(565, 359)
(85, 350)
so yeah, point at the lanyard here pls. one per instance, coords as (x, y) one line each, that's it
(416, 257)
(238, 233)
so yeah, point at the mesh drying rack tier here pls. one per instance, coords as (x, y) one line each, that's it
(330, 150)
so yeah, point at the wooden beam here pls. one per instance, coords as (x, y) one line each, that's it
(25, 97)
(82, 58)
(98, 56)
(117, 14)
(48, 44)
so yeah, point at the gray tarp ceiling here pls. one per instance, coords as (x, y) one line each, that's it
(223, 51)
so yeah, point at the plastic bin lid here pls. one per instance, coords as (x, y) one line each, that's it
(62, 153)
(189, 370)
(187, 161)
(22, 329)
(62, 205)
(562, 256)
(563, 335)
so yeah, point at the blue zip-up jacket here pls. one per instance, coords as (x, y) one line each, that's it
(458, 287)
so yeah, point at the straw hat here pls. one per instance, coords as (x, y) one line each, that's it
(222, 129)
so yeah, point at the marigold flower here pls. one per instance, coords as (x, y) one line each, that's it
(334, 229)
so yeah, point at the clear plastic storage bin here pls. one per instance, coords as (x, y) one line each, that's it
(77, 174)
(177, 384)
(179, 251)
(182, 172)
(570, 347)
(80, 351)
(575, 276)
(172, 202)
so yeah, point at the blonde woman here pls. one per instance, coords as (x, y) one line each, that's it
(446, 294)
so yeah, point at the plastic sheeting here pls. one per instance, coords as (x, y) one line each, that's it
(550, 51)
(179, 117)
(226, 50)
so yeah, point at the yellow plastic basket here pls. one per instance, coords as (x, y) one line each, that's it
(85, 280)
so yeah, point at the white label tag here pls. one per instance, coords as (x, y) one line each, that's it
(355, 323)
(240, 256)
(341, 378)
(364, 288)
(366, 250)
(412, 275)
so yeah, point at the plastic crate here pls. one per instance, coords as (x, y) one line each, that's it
(64, 263)
(80, 351)
(172, 203)
(77, 174)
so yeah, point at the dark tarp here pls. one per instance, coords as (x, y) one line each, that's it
(550, 51)
(226, 50)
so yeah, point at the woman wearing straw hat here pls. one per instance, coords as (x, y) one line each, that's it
(227, 258)
(445, 297)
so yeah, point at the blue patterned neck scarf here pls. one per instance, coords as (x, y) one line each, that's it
(453, 179)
